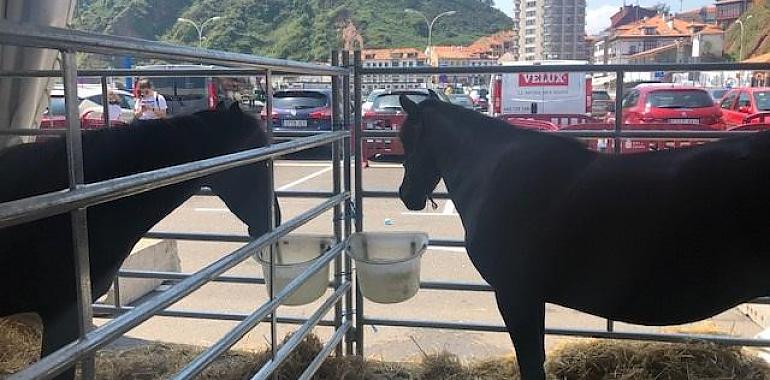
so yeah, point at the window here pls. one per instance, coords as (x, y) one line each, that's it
(530, 50)
(631, 99)
(679, 99)
(649, 31)
(762, 99)
(632, 50)
(529, 32)
(531, 14)
(529, 40)
(744, 100)
(729, 101)
(530, 23)
(649, 45)
(531, 4)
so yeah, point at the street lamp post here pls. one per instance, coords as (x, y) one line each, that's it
(430, 24)
(740, 48)
(199, 28)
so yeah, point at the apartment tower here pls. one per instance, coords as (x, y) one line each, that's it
(550, 29)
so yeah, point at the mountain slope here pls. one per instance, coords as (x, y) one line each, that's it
(295, 29)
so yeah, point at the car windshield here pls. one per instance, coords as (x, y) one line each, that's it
(718, 94)
(679, 99)
(299, 99)
(463, 100)
(391, 102)
(56, 106)
(600, 95)
(762, 98)
(168, 85)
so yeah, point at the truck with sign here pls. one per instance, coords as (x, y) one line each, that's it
(541, 92)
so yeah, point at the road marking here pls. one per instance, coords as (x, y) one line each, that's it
(208, 209)
(304, 179)
(303, 164)
(449, 207)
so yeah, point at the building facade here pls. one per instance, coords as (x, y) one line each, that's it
(550, 29)
(662, 38)
(730, 10)
(402, 57)
(449, 56)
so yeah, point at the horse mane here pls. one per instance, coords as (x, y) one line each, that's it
(37, 168)
(473, 119)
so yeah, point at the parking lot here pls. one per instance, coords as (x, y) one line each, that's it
(208, 214)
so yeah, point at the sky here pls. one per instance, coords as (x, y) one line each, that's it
(598, 12)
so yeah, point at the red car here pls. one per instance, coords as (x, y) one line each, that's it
(670, 104)
(384, 113)
(742, 106)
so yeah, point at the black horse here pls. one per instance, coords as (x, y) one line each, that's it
(36, 259)
(656, 238)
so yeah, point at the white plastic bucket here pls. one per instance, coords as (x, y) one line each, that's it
(388, 264)
(293, 254)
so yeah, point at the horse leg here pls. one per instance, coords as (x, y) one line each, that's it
(525, 319)
(59, 329)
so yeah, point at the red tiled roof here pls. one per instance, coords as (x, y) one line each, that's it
(678, 28)
(386, 54)
(459, 52)
(486, 43)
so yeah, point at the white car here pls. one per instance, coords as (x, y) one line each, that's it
(90, 103)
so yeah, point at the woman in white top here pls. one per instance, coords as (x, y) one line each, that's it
(150, 104)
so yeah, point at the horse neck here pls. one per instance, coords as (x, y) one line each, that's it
(463, 154)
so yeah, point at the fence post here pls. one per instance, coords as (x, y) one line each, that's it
(359, 200)
(271, 210)
(346, 145)
(618, 111)
(336, 189)
(78, 217)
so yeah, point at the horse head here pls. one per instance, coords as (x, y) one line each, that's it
(243, 189)
(421, 175)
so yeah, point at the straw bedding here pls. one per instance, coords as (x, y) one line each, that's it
(579, 359)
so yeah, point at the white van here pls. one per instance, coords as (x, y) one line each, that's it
(541, 92)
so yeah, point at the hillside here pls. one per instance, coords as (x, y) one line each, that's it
(756, 38)
(295, 29)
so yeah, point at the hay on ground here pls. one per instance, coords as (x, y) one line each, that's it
(575, 360)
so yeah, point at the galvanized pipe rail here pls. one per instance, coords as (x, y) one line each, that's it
(29, 35)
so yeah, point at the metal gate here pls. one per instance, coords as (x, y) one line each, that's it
(80, 196)
(617, 135)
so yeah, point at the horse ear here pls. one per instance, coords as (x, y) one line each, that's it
(433, 95)
(408, 105)
(235, 107)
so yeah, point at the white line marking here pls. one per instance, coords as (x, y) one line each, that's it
(303, 164)
(410, 213)
(449, 207)
(376, 165)
(304, 179)
(207, 209)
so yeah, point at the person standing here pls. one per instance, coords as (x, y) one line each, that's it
(150, 104)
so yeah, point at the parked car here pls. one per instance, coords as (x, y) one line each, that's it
(462, 100)
(717, 93)
(90, 107)
(601, 103)
(670, 104)
(385, 113)
(301, 110)
(741, 103)
(480, 96)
